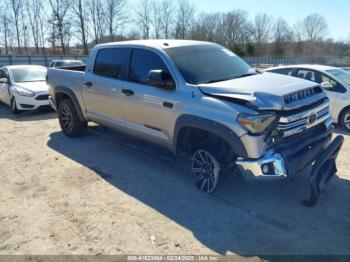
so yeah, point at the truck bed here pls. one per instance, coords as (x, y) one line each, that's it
(70, 77)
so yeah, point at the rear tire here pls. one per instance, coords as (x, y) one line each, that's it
(345, 119)
(69, 120)
(13, 106)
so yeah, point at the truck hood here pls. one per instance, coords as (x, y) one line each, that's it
(266, 91)
(39, 86)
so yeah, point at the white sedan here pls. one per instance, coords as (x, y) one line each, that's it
(334, 80)
(23, 87)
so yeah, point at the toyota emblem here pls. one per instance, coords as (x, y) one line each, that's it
(312, 119)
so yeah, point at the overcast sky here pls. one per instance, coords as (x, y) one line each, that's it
(337, 12)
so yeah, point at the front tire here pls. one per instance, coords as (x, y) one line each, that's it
(206, 169)
(345, 119)
(69, 120)
(13, 106)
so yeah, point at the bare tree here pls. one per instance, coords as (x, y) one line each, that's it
(209, 28)
(97, 18)
(115, 13)
(282, 34)
(16, 6)
(35, 12)
(79, 12)
(60, 10)
(262, 26)
(237, 29)
(167, 14)
(143, 18)
(156, 18)
(6, 28)
(314, 27)
(184, 19)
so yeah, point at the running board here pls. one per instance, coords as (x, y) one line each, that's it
(132, 142)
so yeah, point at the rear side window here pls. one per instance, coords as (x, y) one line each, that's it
(283, 71)
(59, 64)
(109, 62)
(3, 74)
(142, 61)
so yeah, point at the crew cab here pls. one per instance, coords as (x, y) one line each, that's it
(198, 99)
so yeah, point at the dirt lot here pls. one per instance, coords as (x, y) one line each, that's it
(92, 195)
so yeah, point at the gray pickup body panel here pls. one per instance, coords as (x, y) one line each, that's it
(205, 107)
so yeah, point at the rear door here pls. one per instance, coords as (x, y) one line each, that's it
(103, 84)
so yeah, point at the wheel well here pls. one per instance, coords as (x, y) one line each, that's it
(190, 139)
(341, 114)
(59, 97)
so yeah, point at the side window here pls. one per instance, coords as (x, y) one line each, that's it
(59, 64)
(283, 71)
(2, 74)
(336, 86)
(142, 61)
(306, 74)
(109, 62)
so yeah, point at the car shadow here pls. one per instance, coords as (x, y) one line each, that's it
(36, 115)
(245, 219)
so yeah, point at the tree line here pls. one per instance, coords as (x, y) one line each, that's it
(75, 26)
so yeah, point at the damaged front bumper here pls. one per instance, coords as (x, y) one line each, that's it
(271, 167)
(293, 155)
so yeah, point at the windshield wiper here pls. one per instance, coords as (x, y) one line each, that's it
(246, 74)
(218, 80)
(229, 78)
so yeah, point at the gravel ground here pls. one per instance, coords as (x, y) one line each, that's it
(91, 195)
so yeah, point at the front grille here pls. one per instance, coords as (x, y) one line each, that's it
(296, 123)
(42, 97)
(302, 94)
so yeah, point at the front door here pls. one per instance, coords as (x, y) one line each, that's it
(148, 110)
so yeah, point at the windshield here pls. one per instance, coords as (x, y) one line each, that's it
(341, 74)
(201, 64)
(21, 75)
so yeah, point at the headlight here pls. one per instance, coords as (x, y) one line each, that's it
(256, 124)
(23, 92)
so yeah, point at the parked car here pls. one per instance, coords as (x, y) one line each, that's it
(335, 81)
(23, 87)
(197, 99)
(65, 63)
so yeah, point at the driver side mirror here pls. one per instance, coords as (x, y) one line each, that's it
(327, 86)
(160, 78)
(3, 81)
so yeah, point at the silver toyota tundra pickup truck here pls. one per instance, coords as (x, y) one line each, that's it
(200, 99)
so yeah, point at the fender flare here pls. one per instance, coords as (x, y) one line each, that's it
(67, 91)
(211, 126)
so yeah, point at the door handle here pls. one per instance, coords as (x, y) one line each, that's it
(87, 84)
(168, 104)
(128, 92)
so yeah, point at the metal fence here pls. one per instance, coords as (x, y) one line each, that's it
(268, 61)
(34, 60)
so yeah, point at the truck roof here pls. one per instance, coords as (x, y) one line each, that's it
(159, 43)
(23, 66)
